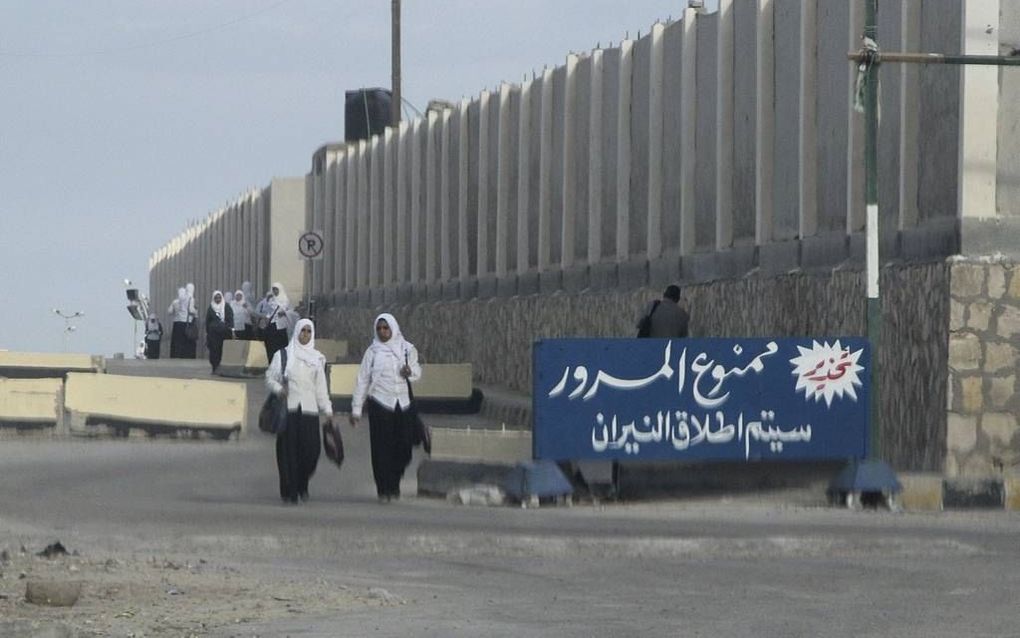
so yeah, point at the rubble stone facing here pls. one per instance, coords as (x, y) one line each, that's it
(984, 345)
(495, 335)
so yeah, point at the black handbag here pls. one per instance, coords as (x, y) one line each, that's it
(332, 442)
(273, 415)
(421, 433)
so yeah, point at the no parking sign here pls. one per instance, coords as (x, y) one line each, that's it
(310, 244)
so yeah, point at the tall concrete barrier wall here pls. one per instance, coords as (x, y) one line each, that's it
(711, 146)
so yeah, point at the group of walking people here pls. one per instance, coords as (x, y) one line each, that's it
(382, 393)
(270, 319)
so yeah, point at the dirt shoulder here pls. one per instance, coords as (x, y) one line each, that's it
(134, 594)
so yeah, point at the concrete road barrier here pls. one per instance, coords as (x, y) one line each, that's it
(491, 446)
(155, 405)
(444, 388)
(243, 359)
(30, 403)
(41, 365)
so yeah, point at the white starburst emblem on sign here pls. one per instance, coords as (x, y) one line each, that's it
(826, 371)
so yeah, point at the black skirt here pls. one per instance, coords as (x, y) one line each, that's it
(297, 454)
(390, 436)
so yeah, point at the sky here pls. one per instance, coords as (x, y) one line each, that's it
(120, 120)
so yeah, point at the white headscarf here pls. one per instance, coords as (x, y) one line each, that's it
(218, 308)
(281, 299)
(397, 345)
(190, 289)
(304, 352)
(247, 291)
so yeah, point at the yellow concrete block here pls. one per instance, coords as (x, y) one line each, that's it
(438, 381)
(243, 358)
(188, 403)
(342, 377)
(49, 364)
(1012, 485)
(24, 401)
(333, 349)
(921, 492)
(494, 446)
(444, 381)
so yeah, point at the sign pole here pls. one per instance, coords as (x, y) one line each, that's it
(310, 246)
(871, 202)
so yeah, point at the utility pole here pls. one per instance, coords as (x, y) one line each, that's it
(395, 64)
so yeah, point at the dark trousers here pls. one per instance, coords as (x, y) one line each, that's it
(297, 454)
(177, 340)
(247, 334)
(274, 339)
(215, 346)
(180, 346)
(152, 348)
(390, 436)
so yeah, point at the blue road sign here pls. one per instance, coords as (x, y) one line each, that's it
(701, 399)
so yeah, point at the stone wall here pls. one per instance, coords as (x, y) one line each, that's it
(983, 405)
(496, 334)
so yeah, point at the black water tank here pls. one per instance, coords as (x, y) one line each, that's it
(366, 113)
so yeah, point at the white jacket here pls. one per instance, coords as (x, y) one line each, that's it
(181, 311)
(379, 378)
(306, 385)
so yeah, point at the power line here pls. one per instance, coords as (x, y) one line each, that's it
(143, 45)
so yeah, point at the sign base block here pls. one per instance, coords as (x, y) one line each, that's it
(865, 480)
(536, 479)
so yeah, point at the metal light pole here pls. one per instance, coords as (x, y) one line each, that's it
(68, 328)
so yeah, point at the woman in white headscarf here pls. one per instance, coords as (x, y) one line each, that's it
(275, 333)
(389, 363)
(249, 294)
(242, 316)
(178, 312)
(219, 322)
(302, 381)
(153, 336)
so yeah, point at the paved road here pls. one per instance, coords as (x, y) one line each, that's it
(703, 568)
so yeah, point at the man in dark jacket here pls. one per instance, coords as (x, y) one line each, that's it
(664, 318)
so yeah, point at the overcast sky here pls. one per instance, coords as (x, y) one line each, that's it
(122, 119)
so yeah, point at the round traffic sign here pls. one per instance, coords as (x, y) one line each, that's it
(310, 244)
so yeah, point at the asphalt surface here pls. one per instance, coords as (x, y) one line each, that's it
(721, 567)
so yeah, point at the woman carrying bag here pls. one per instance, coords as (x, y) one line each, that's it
(303, 385)
(388, 366)
(219, 321)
